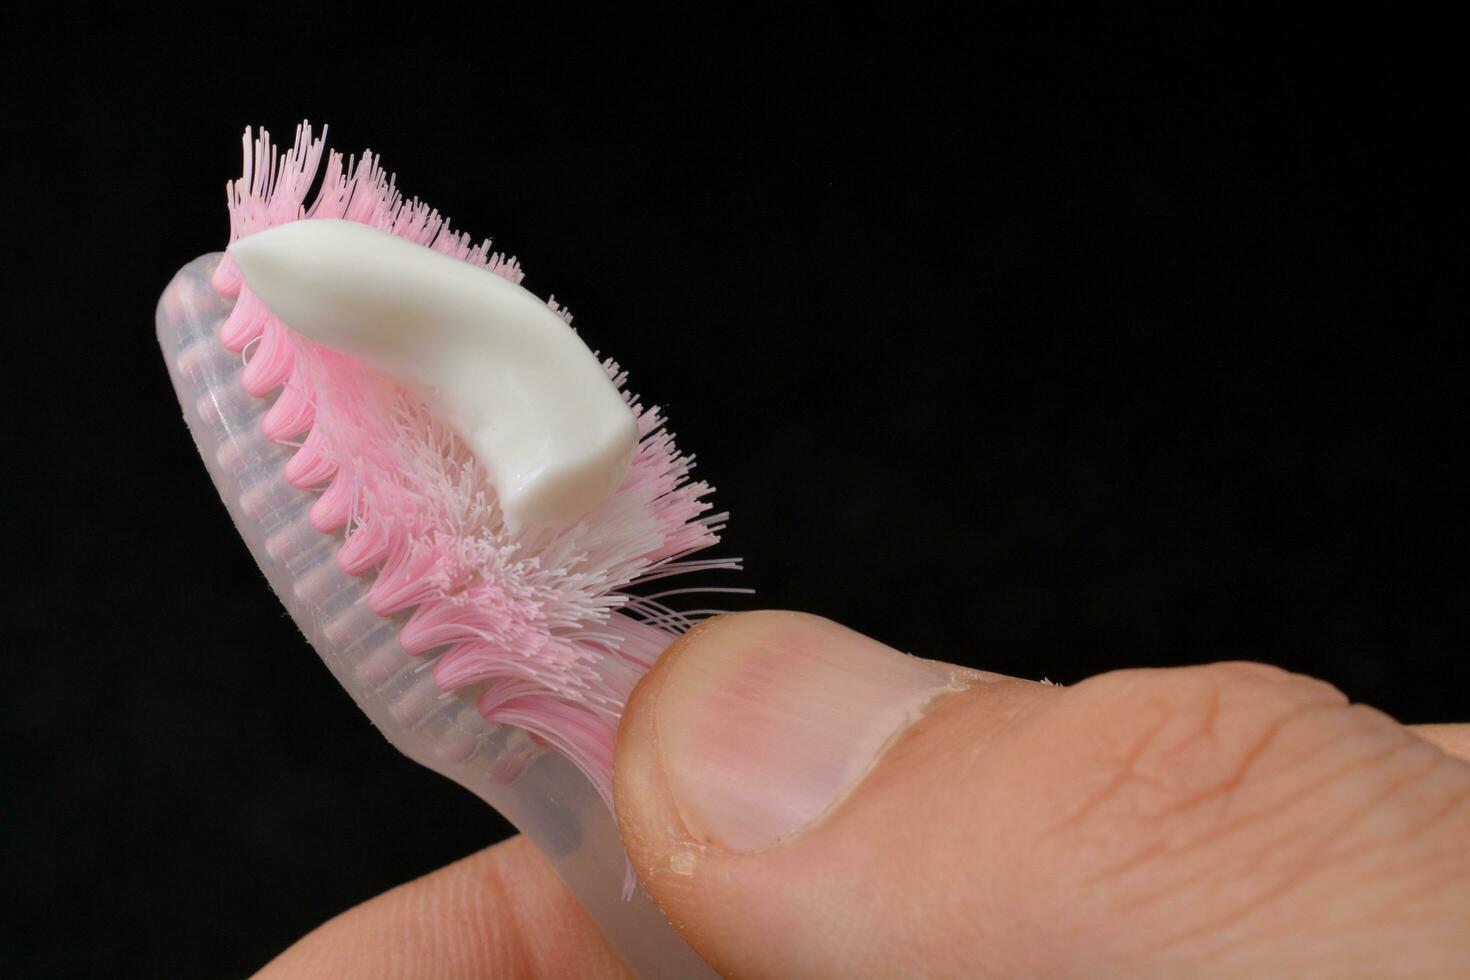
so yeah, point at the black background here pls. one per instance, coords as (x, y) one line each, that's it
(1043, 345)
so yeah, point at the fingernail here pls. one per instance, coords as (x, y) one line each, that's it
(769, 720)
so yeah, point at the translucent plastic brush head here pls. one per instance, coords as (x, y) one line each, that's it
(541, 792)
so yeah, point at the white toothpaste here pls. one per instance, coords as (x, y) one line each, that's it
(494, 362)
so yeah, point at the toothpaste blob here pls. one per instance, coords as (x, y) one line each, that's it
(530, 624)
(508, 375)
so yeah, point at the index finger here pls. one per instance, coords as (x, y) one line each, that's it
(501, 912)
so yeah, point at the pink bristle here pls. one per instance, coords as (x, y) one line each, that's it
(333, 508)
(271, 188)
(291, 414)
(464, 664)
(367, 546)
(583, 738)
(641, 645)
(536, 625)
(406, 578)
(468, 615)
(308, 467)
(226, 279)
(270, 362)
(244, 323)
(558, 666)
(506, 689)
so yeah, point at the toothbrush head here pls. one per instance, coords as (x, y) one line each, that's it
(471, 639)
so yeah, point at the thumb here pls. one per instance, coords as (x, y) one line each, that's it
(801, 800)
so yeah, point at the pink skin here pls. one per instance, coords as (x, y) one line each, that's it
(533, 627)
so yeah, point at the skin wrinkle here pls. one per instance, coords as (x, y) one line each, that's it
(1231, 783)
(1283, 841)
(1459, 801)
(1207, 723)
(1260, 753)
(1431, 885)
(1131, 773)
(1378, 913)
(1310, 867)
(1242, 772)
(1125, 774)
(1267, 929)
(1265, 755)
(1388, 866)
(1254, 674)
(1398, 786)
(1128, 769)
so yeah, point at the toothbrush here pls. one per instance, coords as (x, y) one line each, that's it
(449, 493)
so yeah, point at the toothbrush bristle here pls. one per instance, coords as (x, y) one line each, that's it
(533, 628)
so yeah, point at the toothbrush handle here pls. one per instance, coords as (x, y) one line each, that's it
(552, 803)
